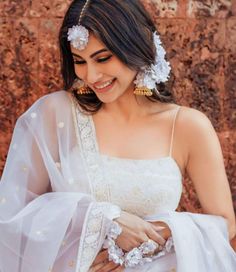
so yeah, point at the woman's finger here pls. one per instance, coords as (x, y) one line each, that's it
(110, 266)
(155, 236)
(95, 268)
(119, 269)
(101, 257)
(142, 238)
(127, 242)
(162, 228)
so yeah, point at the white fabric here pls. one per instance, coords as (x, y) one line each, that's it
(201, 244)
(141, 187)
(56, 201)
(42, 216)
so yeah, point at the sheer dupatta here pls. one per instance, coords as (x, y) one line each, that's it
(45, 224)
(201, 242)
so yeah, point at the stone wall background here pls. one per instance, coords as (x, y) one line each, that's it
(200, 39)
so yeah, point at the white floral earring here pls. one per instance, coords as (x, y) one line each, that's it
(149, 76)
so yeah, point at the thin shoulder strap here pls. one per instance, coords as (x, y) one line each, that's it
(173, 129)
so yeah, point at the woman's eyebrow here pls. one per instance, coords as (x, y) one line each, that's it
(92, 55)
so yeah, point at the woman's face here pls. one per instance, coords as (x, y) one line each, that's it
(102, 71)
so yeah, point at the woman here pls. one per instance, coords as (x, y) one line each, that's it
(93, 176)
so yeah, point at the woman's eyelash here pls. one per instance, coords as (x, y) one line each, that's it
(79, 61)
(104, 59)
(98, 60)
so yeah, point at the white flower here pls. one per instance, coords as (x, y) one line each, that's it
(149, 76)
(78, 36)
(133, 257)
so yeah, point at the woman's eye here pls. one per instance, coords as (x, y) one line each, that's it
(104, 59)
(79, 62)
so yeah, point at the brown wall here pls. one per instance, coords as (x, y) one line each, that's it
(200, 38)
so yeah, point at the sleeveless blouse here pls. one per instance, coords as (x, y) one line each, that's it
(143, 187)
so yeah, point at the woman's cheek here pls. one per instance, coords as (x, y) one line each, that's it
(79, 72)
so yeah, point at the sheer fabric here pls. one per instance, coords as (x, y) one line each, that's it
(41, 216)
(55, 204)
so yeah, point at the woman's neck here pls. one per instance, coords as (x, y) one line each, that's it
(128, 107)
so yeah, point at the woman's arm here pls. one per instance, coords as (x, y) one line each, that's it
(205, 165)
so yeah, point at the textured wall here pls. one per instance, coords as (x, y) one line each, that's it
(200, 38)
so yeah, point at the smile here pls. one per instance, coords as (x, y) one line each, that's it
(104, 86)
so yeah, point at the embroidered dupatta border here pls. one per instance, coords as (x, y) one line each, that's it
(94, 225)
(85, 133)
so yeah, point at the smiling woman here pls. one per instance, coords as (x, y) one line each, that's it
(121, 34)
(94, 172)
(102, 71)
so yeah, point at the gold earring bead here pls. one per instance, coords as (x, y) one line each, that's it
(84, 90)
(142, 91)
(79, 87)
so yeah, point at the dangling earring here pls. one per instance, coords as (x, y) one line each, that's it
(142, 91)
(80, 88)
(84, 90)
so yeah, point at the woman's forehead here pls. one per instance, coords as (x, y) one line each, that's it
(94, 45)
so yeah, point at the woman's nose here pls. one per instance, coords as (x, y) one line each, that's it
(93, 74)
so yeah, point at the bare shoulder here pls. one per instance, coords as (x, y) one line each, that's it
(193, 118)
(196, 131)
(191, 124)
(195, 138)
(188, 118)
(195, 125)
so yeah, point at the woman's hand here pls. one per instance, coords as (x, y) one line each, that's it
(102, 264)
(165, 232)
(135, 231)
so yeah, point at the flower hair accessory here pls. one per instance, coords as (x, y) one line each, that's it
(78, 35)
(149, 76)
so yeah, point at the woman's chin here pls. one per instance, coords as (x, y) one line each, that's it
(107, 99)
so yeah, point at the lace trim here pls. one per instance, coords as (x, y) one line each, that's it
(79, 140)
(86, 139)
(93, 235)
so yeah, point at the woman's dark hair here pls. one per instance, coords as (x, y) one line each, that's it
(125, 28)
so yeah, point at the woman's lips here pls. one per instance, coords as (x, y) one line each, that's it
(106, 88)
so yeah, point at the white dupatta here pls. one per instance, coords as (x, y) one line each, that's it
(201, 242)
(45, 225)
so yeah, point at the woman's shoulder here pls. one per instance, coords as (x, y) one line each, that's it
(187, 116)
(193, 119)
(190, 123)
(194, 129)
